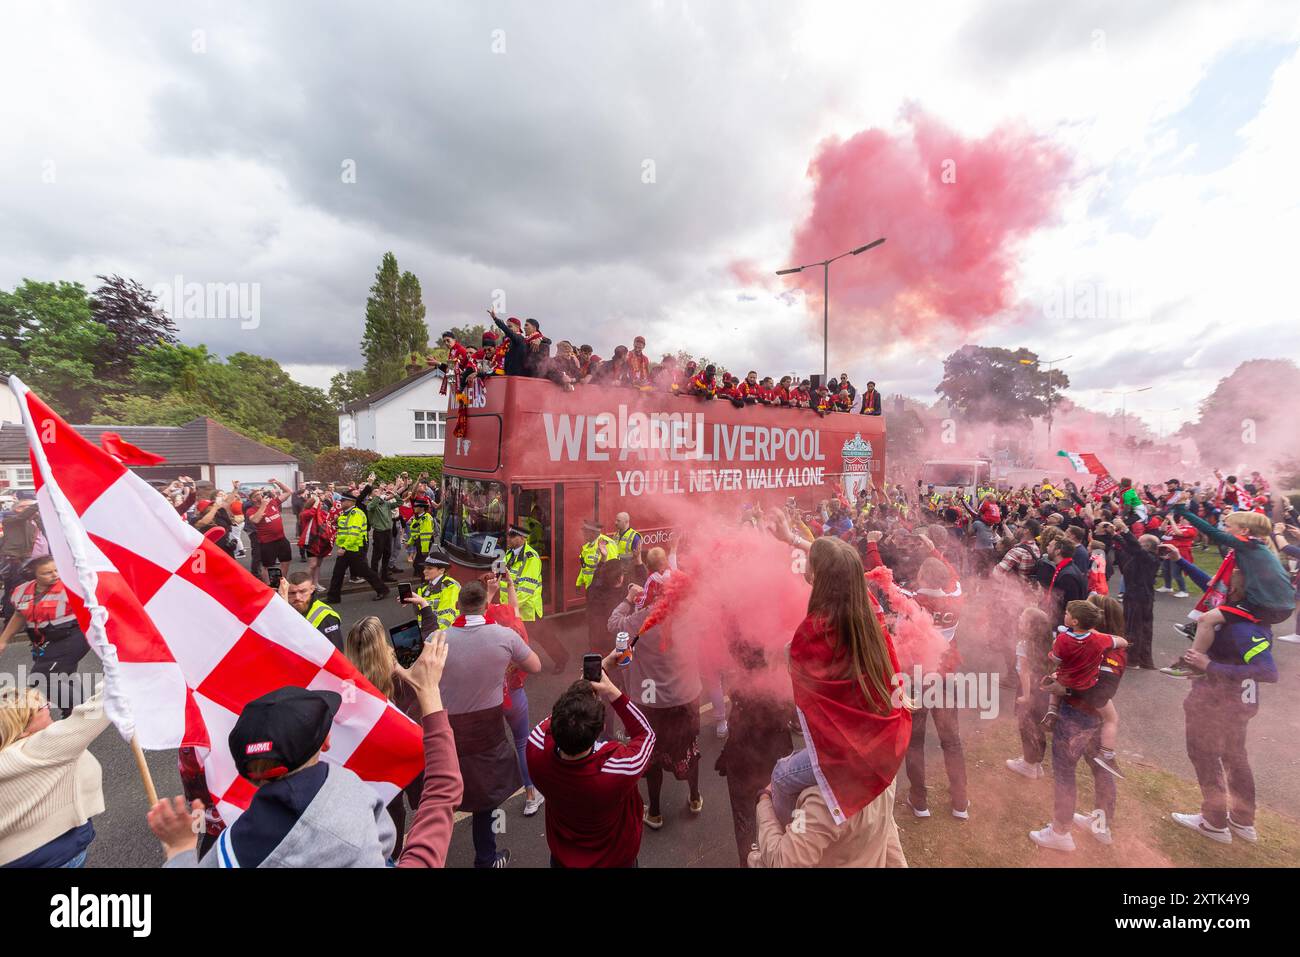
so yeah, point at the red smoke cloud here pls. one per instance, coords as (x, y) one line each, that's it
(953, 211)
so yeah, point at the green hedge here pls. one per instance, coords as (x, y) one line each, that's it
(390, 466)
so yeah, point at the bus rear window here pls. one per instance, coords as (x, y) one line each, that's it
(473, 518)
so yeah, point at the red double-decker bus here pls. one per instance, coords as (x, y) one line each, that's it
(549, 460)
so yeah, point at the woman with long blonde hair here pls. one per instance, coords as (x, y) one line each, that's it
(856, 727)
(50, 783)
(368, 648)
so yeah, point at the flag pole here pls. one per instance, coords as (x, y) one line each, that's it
(142, 766)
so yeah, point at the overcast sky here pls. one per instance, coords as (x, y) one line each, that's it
(643, 167)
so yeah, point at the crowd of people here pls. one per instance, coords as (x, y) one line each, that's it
(895, 576)
(519, 348)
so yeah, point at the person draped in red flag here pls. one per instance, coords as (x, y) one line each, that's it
(844, 672)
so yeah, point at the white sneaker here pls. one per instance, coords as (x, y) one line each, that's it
(916, 812)
(1024, 768)
(1197, 823)
(533, 804)
(1048, 837)
(1246, 832)
(1163, 591)
(1091, 822)
(962, 815)
(1289, 639)
(1180, 594)
(721, 729)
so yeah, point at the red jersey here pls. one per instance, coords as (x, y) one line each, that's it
(270, 527)
(1080, 656)
(638, 369)
(1181, 538)
(593, 804)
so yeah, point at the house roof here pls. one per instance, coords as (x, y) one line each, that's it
(201, 442)
(356, 405)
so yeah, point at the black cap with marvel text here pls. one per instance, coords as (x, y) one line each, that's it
(285, 727)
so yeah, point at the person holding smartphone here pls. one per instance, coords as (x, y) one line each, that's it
(593, 803)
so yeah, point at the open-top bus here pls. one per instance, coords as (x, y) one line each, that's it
(548, 460)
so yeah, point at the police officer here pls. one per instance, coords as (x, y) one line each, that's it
(438, 598)
(41, 606)
(299, 592)
(421, 532)
(597, 547)
(628, 538)
(350, 537)
(525, 566)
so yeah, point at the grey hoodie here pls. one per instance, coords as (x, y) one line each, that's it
(323, 816)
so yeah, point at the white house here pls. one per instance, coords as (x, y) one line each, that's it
(406, 418)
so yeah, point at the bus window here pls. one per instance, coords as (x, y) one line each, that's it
(948, 474)
(533, 512)
(473, 518)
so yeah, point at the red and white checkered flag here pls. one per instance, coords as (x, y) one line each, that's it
(185, 634)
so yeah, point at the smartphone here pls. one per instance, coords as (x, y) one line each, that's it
(274, 575)
(591, 669)
(403, 591)
(407, 642)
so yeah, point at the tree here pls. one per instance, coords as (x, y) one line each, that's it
(348, 386)
(394, 324)
(130, 314)
(47, 336)
(1246, 420)
(985, 383)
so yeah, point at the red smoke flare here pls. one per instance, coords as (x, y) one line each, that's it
(953, 211)
(675, 589)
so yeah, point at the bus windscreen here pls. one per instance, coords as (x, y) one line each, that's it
(473, 518)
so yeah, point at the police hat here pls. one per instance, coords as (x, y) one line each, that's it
(591, 526)
(419, 503)
(437, 559)
(348, 496)
(517, 530)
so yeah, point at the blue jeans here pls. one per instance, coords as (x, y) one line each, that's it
(1174, 571)
(1077, 737)
(77, 861)
(791, 775)
(517, 718)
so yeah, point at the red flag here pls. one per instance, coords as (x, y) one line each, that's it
(855, 751)
(125, 452)
(186, 635)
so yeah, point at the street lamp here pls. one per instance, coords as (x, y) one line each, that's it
(1123, 414)
(826, 296)
(1050, 363)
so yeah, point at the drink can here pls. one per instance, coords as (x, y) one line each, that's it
(623, 645)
